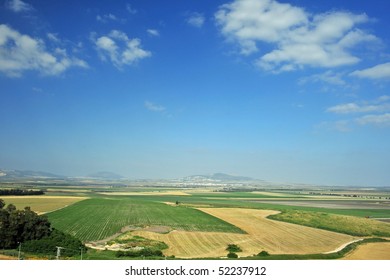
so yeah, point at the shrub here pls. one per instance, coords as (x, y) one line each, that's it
(48, 245)
(263, 254)
(147, 252)
(232, 255)
(233, 248)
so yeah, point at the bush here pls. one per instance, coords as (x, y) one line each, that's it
(147, 252)
(48, 245)
(263, 254)
(233, 248)
(232, 255)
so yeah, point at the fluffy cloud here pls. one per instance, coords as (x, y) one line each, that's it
(196, 20)
(381, 120)
(381, 71)
(19, 53)
(18, 6)
(379, 110)
(120, 49)
(297, 38)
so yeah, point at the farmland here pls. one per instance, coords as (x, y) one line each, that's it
(373, 251)
(99, 218)
(200, 222)
(261, 234)
(42, 204)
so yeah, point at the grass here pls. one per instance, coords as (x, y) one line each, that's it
(355, 226)
(99, 218)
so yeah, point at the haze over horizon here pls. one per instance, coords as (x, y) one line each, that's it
(285, 91)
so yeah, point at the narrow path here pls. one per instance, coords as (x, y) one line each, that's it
(343, 246)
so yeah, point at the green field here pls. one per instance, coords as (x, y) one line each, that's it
(231, 200)
(98, 218)
(355, 226)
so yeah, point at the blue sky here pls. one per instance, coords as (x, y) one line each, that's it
(286, 91)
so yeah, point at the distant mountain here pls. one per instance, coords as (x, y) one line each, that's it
(25, 174)
(105, 175)
(218, 177)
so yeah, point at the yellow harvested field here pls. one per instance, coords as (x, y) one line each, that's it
(41, 204)
(371, 251)
(178, 193)
(262, 234)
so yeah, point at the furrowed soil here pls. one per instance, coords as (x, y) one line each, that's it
(371, 251)
(272, 236)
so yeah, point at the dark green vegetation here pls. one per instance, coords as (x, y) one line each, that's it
(337, 255)
(17, 226)
(47, 246)
(25, 227)
(146, 252)
(21, 192)
(98, 218)
(232, 255)
(233, 248)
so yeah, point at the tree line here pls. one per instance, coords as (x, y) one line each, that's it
(20, 192)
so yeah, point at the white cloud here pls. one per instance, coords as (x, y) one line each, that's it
(380, 120)
(18, 6)
(298, 38)
(53, 37)
(153, 32)
(378, 108)
(120, 49)
(381, 71)
(19, 53)
(328, 77)
(154, 107)
(349, 108)
(196, 20)
(109, 17)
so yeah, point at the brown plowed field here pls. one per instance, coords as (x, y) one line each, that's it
(262, 234)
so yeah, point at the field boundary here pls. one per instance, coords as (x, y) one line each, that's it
(334, 255)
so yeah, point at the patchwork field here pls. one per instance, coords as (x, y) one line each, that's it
(372, 251)
(41, 204)
(262, 234)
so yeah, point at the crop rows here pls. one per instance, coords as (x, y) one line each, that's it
(98, 218)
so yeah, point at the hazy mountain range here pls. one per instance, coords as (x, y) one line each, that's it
(11, 175)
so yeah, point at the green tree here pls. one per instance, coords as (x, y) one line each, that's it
(18, 226)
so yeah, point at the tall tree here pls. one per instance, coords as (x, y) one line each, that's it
(20, 225)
